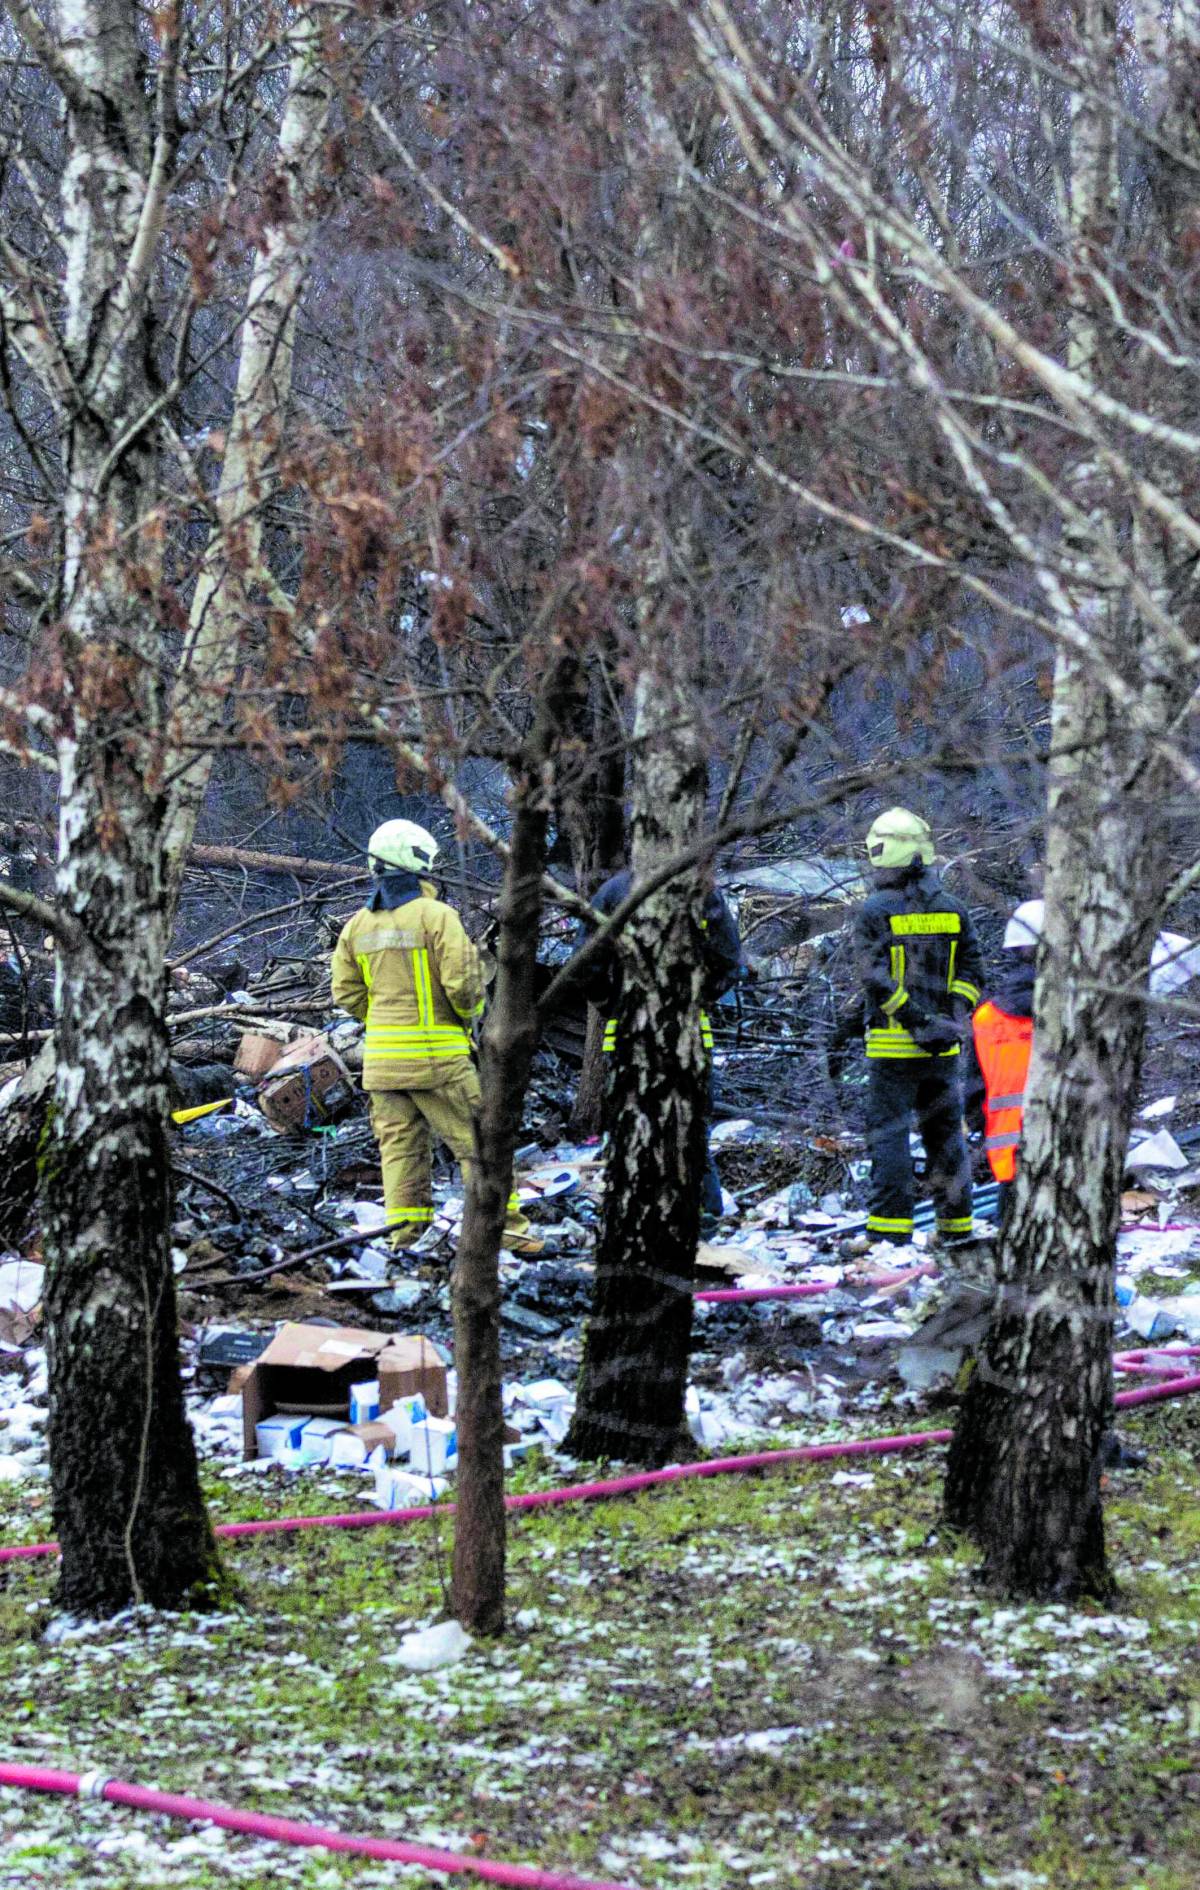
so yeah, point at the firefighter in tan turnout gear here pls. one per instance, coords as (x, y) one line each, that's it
(405, 967)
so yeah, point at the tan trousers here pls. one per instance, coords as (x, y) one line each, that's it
(404, 1120)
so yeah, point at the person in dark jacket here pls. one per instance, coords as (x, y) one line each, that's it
(920, 969)
(724, 967)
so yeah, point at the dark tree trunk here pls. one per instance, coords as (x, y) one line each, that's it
(587, 1111)
(508, 1043)
(592, 798)
(593, 810)
(634, 1377)
(1024, 1469)
(127, 1503)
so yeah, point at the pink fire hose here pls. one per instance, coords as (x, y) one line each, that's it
(40, 1778)
(290, 1831)
(1161, 1361)
(1173, 1387)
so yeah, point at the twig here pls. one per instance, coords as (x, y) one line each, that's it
(213, 1187)
(340, 1245)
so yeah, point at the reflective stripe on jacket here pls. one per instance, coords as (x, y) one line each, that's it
(1003, 1045)
(414, 977)
(610, 1032)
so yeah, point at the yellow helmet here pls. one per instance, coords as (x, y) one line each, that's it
(401, 843)
(899, 838)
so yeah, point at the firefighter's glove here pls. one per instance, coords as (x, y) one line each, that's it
(937, 1034)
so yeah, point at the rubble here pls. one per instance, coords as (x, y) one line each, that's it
(277, 1225)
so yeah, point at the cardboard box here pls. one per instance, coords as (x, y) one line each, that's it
(360, 1446)
(364, 1402)
(400, 1419)
(308, 1083)
(308, 1371)
(399, 1489)
(256, 1054)
(275, 1435)
(433, 1447)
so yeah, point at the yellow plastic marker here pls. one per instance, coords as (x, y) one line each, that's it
(181, 1116)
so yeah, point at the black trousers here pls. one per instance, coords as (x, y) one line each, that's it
(931, 1093)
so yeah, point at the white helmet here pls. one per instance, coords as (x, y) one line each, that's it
(402, 844)
(1025, 926)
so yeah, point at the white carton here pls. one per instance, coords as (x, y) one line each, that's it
(364, 1402)
(275, 1435)
(399, 1489)
(316, 1439)
(401, 1417)
(349, 1451)
(433, 1446)
(546, 1393)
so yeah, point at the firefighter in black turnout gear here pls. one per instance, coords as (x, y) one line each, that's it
(920, 969)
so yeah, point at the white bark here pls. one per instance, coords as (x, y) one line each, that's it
(127, 1499)
(233, 569)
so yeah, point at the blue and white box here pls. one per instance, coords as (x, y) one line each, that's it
(364, 1402)
(277, 1435)
(434, 1446)
(400, 1418)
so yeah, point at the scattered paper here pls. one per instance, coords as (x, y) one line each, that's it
(429, 1648)
(1158, 1151)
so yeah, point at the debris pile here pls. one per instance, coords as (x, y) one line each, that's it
(279, 1212)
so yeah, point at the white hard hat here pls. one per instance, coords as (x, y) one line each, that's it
(1025, 925)
(402, 844)
(1174, 962)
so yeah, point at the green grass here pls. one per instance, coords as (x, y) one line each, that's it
(781, 1680)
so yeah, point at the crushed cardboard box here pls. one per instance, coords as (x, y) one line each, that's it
(308, 1370)
(308, 1084)
(257, 1053)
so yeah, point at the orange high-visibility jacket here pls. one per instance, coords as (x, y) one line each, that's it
(1003, 1045)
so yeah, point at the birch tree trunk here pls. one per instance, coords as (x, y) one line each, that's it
(634, 1377)
(1024, 1468)
(233, 571)
(128, 1507)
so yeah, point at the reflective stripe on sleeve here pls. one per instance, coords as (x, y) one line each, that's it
(1003, 1141)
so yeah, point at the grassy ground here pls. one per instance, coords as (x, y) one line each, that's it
(788, 1680)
